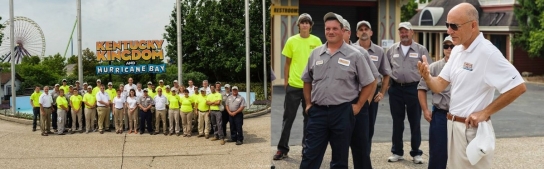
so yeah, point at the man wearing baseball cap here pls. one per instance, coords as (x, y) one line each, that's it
(64, 86)
(96, 89)
(331, 111)
(438, 143)
(297, 49)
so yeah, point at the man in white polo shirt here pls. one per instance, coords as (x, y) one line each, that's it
(103, 107)
(476, 69)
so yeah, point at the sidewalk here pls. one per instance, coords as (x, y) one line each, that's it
(22, 148)
(510, 153)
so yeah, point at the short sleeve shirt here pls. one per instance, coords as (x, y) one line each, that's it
(336, 77)
(118, 102)
(186, 104)
(440, 100)
(35, 98)
(475, 72)
(404, 67)
(298, 49)
(235, 102)
(76, 101)
(65, 88)
(102, 97)
(46, 100)
(377, 56)
(372, 67)
(145, 101)
(173, 102)
(212, 98)
(201, 102)
(61, 101)
(160, 102)
(131, 101)
(90, 99)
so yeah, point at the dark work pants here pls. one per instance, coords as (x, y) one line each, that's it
(145, 119)
(225, 120)
(293, 98)
(328, 124)
(438, 139)
(236, 124)
(372, 114)
(68, 123)
(359, 140)
(36, 111)
(399, 97)
(217, 121)
(54, 117)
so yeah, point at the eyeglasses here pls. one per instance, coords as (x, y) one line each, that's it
(448, 46)
(455, 27)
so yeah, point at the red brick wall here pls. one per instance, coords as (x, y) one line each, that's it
(524, 63)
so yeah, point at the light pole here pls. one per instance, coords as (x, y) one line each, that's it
(247, 53)
(178, 26)
(12, 53)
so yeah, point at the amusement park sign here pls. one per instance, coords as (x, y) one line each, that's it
(130, 52)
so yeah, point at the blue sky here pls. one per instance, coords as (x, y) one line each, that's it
(102, 20)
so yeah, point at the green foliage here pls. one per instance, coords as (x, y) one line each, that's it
(409, 10)
(72, 60)
(258, 88)
(531, 22)
(1, 34)
(41, 73)
(214, 39)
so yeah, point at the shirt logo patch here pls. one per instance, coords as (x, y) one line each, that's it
(467, 66)
(414, 55)
(396, 55)
(374, 58)
(319, 62)
(344, 62)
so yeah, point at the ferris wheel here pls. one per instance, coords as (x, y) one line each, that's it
(29, 40)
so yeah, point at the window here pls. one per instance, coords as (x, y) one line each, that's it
(500, 42)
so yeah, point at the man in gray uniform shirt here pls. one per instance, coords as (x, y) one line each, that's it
(359, 137)
(438, 138)
(404, 56)
(331, 112)
(364, 32)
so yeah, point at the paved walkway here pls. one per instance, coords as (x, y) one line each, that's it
(22, 148)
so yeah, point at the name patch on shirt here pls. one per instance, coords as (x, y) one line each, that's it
(467, 66)
(414, 55)
(374, 58)
(396, 55)
(344, 62)
(319, 62)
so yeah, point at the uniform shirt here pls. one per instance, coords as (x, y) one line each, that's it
(124, 94)
(440, 100)
(150, 93)
(160, 87)
(54, 94)
(191, 90)
(208, 90)
(372, 67)
(404, 67)
(61, 101)
(212, 98)
(298, 49)
(235, 102)
(160, 102)
(140, 93)
(35, 98)
(128, 87)
(475, 73)
(336, 77)
(118, 102)
(167, 93)
(83, 92)
(96, 90)
(224, 96)
(145, 101)
(131, 101)
(76, 101)
(46, 100)
(112, 93)
(66, 88)
(381, 62)
(186, 104)
(102, 97)
(173, 101)
(89, 98)
(201, 103)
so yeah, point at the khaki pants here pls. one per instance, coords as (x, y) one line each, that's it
(160, 115)
(102, 115)
(45, 119)
(118, 118)
(133, 119)
(173, 116)
(76, 117)
(458, 139)
(89, 119)
(186, 122)
(203, 123)
(125, 119)
(61, 120)
(108, 117)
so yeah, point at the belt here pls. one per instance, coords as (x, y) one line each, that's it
(215, 110)
(118, 108)
(405, 84)
(100, 106)
(46, 107)
(202, 110)
(459, 119)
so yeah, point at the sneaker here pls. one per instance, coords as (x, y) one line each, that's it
(280, 156)
(395, 158)
(417, 159)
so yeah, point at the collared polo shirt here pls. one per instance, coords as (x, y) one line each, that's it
(145, 101)
(118, 102)
(76, 101)
(404, 67)
(235, 102)
(173, 101)
(61, 101)
(102, 97)
(35, 98)
(201, 103)
(440, 100)
(212, 98)
(46, 100)
(160, 102)
(186, 104)
(89, 98)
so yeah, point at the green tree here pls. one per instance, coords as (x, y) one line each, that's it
(531, 22)
(56, 64)
(409, 10)
(72, 59)
(1, 34)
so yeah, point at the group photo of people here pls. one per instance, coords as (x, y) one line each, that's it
(129, 108)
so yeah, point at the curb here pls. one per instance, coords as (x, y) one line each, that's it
(257, 114)
(16, 120)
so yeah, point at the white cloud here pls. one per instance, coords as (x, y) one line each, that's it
(102, 20)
